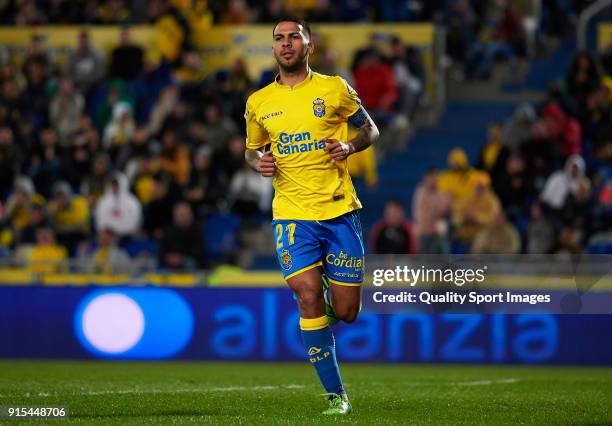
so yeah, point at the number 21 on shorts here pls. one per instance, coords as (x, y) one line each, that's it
(278, 230)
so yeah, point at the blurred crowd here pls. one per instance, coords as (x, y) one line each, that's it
(478, 31)
(126, 160)
(134, 159)
(542, 182)
(107, 159)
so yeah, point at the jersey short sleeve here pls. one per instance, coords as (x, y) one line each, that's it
(256, 134)
(349, 102)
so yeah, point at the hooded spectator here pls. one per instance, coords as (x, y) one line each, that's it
(118, 133)
(476, 210)
(460, 179)
(119, 210)
(561, 184)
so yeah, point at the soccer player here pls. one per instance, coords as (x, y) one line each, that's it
(298, 133)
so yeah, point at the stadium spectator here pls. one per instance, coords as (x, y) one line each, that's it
(236, 12)
(561, 184)
(249, 195)
(175, 159)
(46, 256)
(569, 242)
(477, 210)
(10, 160)
(141, 170)
(92, 185)
(583, 76)
(409, 75)
(540, 232)
(118, 210)
(461, 21)
(158, 212)
(119, 131)
(460, 179)
(34, 99)
(323, 11)
(557, 134)
(18, 207)
(182, 245)
(108, 257)
(69, 215)
(393, 234)
(512, 185)
(113, 12)
(500, 35)
(493, 149)
(46, 165)
(227, 161)
(37, 219)
(172, 30)
(28, 14)
(517, 130)
(37, 52)
(64, 112)
(86, 65)
(127, 58)
(220, 128)
(271, 11)
(147, 88)
(498, 237)
(202, 191)
(376, 85)
(430, 208)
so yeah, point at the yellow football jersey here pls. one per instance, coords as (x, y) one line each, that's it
(308, 184)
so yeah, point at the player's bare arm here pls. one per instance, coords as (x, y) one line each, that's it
(368, 133)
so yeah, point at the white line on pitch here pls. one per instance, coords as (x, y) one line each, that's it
(187, 390)
(486, 382)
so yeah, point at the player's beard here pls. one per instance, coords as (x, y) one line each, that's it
(300, 62)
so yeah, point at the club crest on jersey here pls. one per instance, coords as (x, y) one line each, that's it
(318, 107)
(286, 259)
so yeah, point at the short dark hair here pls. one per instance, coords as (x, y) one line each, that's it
(295, 19)
(396, 202)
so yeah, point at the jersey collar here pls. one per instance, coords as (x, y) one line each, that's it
(297, 86)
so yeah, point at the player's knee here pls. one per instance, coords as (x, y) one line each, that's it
(310, 299)
(347, 314)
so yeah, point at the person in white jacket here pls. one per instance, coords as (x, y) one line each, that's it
(118, 209)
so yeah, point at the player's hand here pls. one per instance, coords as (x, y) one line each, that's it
(266, 164)
(338, 150)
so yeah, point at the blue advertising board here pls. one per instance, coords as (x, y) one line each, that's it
(262, 324)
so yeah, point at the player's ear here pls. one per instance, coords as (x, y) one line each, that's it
(311, 47)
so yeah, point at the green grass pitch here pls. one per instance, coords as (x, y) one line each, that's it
(275, 393)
